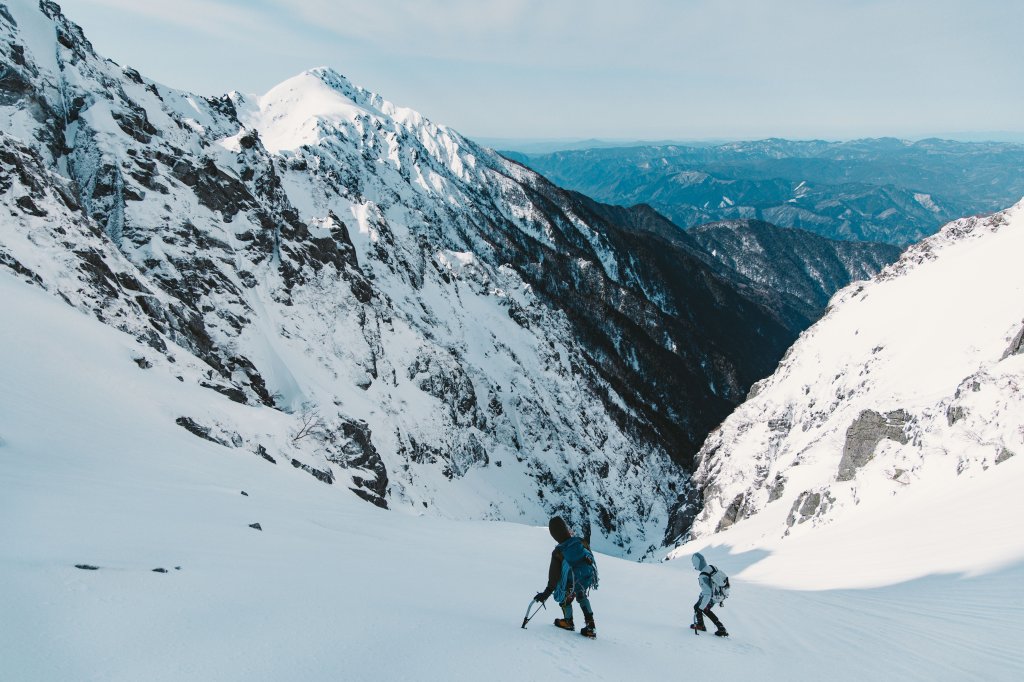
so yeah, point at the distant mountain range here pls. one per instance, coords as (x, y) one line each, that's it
(884, 190)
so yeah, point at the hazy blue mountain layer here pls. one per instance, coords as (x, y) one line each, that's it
(884, 189)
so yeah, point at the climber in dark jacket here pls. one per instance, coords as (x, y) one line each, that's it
(571, 575)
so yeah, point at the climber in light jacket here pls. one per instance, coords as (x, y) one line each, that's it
(703, 606)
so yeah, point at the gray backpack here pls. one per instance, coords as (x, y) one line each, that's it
(719, 584)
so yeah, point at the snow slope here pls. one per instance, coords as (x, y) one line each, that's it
(93, 471)
(884, 448)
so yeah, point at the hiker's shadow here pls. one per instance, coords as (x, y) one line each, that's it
(719, 555)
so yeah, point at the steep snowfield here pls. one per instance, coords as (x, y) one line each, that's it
(885, 447)
(93, 470)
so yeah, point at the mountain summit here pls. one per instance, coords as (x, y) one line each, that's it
(395, 308)
(304, 108)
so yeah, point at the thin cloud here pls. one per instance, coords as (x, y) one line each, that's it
(656, 68)
(224, 21)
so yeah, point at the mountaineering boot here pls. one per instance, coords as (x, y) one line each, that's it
(721, 632)
(590, 630)
(698, 626)
(564, 623)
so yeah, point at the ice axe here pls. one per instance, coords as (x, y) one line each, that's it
(529, 616)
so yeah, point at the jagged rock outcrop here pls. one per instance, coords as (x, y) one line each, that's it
(865, 433)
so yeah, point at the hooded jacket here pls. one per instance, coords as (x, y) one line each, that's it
(704, 580)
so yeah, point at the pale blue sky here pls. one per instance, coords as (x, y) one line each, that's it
(651, 69)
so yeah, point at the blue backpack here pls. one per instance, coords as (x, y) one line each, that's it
(579, 569)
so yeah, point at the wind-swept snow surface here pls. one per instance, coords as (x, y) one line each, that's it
(331, 588)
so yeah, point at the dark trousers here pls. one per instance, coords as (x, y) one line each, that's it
(566, 605)
(706, 611)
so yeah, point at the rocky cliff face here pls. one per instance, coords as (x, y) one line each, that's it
(801, 264)
(449, 332)
(909, 385)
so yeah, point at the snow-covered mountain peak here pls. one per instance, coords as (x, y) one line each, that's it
(322, 108)
(293, 113)
(466, 336)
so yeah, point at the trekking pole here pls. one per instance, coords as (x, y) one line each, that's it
(695, 632)
(529, 615)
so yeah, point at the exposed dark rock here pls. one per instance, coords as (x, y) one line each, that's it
(256, 526)
(13, 84)
(192, 427)
(6, 15)
(143, 363)
(26, 204)
(215, 189)
(232, 392)
(444, 378)
(99, 273)
(262, 452)
(323, 476)
(1003, 455)
(468, 454)
(681, 515)
(249, 140)
(134, 122)
(732, 514)
(132, 75)
(955, 413)
(245, 493)
(197, 429)
(803, 508)
(865, 433)
(1016, 346)
(87, 567)
(808, 505)
(159, 570)
(239, 363)
(8, 261)
(358, 452)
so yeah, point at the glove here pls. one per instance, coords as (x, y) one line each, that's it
(541, 597)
